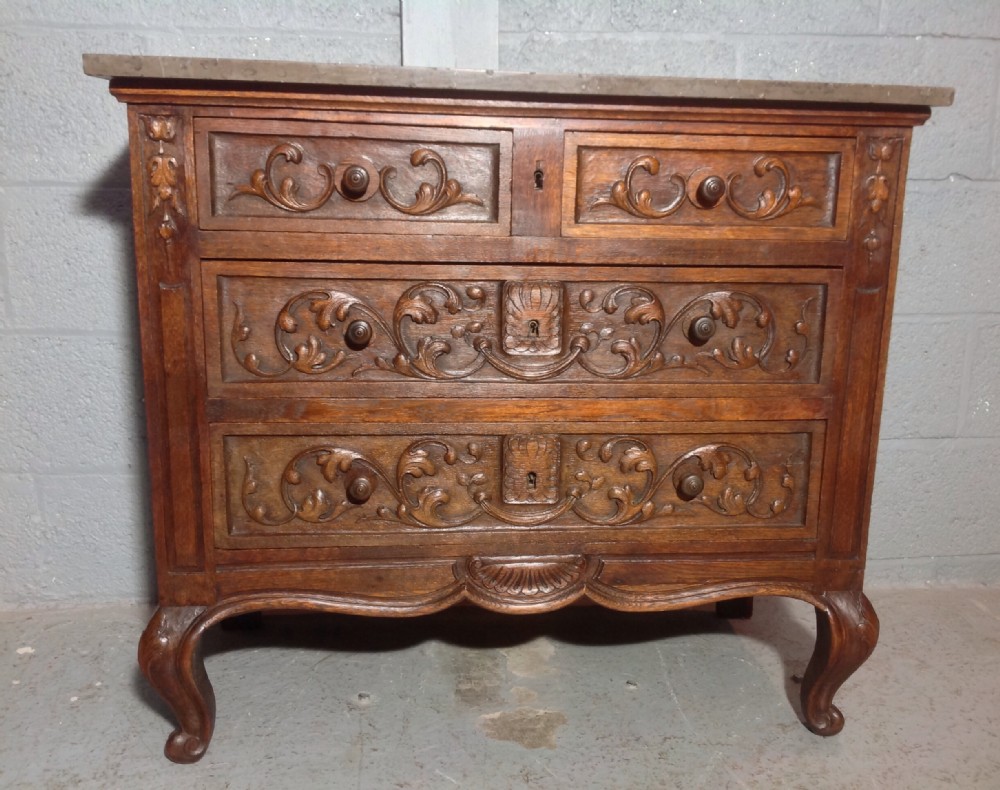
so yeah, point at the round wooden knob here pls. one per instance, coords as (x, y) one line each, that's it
(710, 191)
(360, 489)
(701, 329)
(354, 183)
(358, 334)
(690, 486)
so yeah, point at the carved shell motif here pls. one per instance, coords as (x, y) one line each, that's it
(526, 578)
(532, 318)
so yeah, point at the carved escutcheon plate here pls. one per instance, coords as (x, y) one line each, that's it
(531, 470)
(532, 314)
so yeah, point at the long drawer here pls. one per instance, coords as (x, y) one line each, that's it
(398, 486)
(355, 330)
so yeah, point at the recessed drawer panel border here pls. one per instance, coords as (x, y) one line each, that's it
(358, 486)
(335, 333)
(704, 186)
(352, 178)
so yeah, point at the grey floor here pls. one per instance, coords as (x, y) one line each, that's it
(576, 699)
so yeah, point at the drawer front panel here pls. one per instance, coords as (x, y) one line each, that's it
(359, 489)
(353, 178)
(685, 185)
(304, 336)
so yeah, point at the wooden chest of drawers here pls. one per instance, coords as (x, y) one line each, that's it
(513, 340)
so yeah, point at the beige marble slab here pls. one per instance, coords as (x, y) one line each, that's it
(498, 82)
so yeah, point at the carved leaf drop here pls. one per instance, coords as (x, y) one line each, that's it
(165, 177)
(877, 194)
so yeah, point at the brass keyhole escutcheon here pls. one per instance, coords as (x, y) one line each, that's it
(533, 328)
(532, 480)
(539, 176)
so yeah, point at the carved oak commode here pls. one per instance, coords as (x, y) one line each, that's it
(417, 337)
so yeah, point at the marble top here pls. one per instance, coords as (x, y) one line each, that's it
(508, 83)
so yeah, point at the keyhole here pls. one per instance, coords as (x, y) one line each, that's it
(532, 480)
(539, 176)
(533, 328)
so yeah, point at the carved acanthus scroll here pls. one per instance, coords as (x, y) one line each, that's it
(771, 202)
(429, 198)
(286, 194)
(639, 202)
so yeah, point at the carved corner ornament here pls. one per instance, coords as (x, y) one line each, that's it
(878, 192)
(163, 170)
(355, 185)
(771, 202)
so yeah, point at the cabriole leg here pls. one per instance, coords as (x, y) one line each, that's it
(170, 658)
(846, 633)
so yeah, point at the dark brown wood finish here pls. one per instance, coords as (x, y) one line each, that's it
(403, 350)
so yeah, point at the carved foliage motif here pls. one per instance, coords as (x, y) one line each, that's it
(448, 483)
(773, 201)
(877, 197)
(429, 198)
(164, 172)
(622, 333)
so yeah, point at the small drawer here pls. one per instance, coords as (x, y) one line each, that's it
(393, 485)
(698, 186)
(352, 178)
(343, 336)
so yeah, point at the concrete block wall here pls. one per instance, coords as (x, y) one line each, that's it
(74, 515)
(936, 509)
(73, 512)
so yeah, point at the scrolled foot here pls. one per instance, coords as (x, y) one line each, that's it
(182, 747)
(170, 658)
(846, 633)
